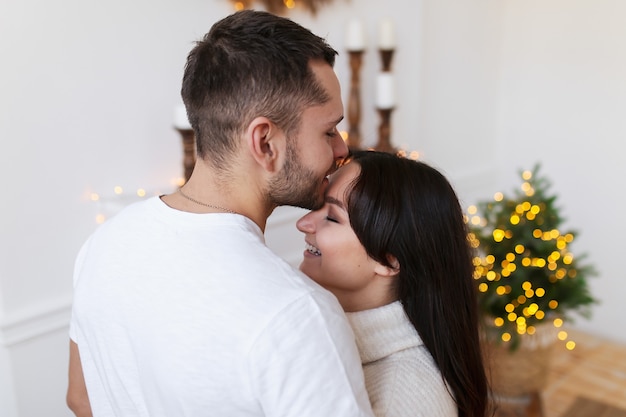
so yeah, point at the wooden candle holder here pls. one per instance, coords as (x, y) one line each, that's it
(386, 55)
(384, 129)
(354, 100)
(384, 132)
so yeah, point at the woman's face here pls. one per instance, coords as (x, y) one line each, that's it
(334, 256)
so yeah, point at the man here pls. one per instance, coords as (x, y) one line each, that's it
(180, 309)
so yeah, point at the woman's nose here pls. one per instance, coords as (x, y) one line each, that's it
(305, 223)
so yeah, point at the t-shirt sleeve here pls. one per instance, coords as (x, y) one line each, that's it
(305, 363)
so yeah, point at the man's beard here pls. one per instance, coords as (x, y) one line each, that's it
(297, 185)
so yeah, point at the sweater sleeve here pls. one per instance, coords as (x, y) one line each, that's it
(408, 384)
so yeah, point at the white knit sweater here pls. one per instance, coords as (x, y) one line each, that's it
(401, 377)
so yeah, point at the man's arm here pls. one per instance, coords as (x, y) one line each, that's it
(77, 399)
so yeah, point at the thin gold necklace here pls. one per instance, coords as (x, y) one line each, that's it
(205, 204)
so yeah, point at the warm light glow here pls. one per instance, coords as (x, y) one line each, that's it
(289, 3)
(498, 235)
(519, 249)
(514, 219)
(540, 292)
(527, 175)
(100, 218)
(239, 6)
(558, 322)
(553, 304)
(570, 345)
(141, 192)
(414, 155)
(472, 209)
(562, 335)
(506, 337)
(498, 196)
(94, 197)
(498, 321)
(118, 190)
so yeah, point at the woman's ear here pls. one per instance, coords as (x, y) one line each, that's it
(266, 143)
(386, 271)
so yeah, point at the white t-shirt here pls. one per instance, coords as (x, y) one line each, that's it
(179, 314)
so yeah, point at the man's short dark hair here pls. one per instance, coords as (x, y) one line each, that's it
(250, 64)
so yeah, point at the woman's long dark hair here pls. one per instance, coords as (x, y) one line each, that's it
(408, 209)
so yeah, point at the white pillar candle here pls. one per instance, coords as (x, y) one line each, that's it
(180, 118)
(385, 91)
(355, 36)
(386, 35)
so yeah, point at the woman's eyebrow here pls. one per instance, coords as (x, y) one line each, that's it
(333, 200)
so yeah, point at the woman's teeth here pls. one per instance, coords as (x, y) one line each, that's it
(313, 250)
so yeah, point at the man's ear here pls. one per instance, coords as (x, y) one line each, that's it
(266, 143)
(386, 271)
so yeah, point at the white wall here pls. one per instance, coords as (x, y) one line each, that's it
(563, 102)
(87, 91)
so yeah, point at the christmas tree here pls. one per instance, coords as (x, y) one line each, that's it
(525, 272)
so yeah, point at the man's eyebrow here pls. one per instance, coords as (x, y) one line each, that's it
(333, 200)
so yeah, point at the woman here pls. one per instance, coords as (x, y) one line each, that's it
(390, 243)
